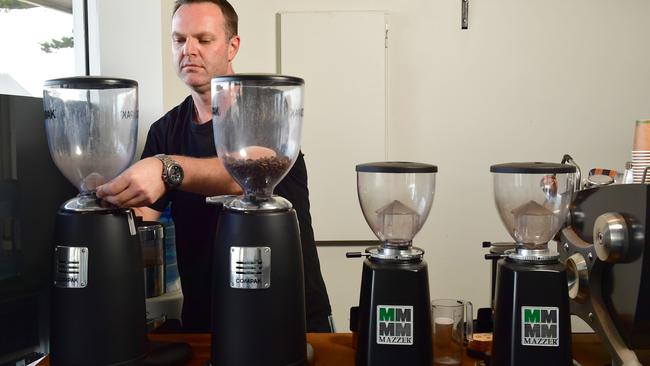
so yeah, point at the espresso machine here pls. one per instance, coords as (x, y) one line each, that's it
(605, 248)
(98, 303)
(393, 319)
(531, 307)
(258, 307)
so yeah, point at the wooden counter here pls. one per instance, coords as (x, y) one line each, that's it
(336, 349)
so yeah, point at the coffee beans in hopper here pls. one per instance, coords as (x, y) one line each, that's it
(256, 174)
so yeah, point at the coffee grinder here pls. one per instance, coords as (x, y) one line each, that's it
(531, 316)
(98, 303)
(258, 306)
(393, 319)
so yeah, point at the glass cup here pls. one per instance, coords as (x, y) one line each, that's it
(450, 331)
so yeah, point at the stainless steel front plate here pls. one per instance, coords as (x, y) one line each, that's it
(70, 267)
(250, 268)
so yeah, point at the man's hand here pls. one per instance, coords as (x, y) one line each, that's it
(140, 185)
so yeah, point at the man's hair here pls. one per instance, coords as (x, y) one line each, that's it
(229, 13)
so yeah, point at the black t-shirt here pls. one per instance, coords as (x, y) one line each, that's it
(196, 221)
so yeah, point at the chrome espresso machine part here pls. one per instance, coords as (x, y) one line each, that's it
(393, 318)
(531, 308)
(98, 303)
(607, 255)
(258, 307)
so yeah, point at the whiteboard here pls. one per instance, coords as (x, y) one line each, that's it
(342, 57)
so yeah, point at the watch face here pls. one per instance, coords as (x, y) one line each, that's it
(175, 175)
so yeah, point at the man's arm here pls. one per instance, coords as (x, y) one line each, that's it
(142, 185)
(147, 214)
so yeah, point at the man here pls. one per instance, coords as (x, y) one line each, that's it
(205, 42)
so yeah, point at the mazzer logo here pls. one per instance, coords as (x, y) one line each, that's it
(539, 326)
(394, 324)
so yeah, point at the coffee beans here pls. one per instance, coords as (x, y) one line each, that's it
(256, 175)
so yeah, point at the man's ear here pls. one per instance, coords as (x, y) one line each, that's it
(233, 47)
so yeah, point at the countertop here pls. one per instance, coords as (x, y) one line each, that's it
(335, 349)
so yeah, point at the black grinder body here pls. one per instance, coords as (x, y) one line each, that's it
(532, 324)
(394, 314)
(102, 320)
(257, 321)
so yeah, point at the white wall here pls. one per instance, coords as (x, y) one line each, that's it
(174, 91)
(529, 80)
(125, 42)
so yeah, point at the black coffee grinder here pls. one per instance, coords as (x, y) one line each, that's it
(98, 303)
(258, 301)
(393, 319)
(531, 311)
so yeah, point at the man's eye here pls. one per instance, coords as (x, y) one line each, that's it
(178, 40)
(205, 40)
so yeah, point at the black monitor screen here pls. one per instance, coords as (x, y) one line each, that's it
(31, 190)
(11, 264)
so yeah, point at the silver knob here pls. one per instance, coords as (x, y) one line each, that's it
(578, 277)
(611, 238)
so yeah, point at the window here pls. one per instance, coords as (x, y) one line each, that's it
(39, 41)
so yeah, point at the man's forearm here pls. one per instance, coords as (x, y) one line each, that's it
(206, 176)
(142, 184)
(147, 214)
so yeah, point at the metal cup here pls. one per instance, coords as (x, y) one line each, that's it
(450, 330)
(151, 239)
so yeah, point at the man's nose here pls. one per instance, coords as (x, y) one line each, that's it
(190, 47)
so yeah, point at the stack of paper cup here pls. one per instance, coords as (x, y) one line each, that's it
(641, 151)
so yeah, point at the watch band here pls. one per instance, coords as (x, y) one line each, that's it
(172, 173)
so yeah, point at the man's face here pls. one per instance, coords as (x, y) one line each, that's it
(200, 47)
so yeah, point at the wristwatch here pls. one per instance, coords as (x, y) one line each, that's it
(172, 172)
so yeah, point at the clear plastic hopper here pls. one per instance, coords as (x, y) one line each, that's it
(91, 125)
(396, 198)
(533, 200)
(257, 123)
